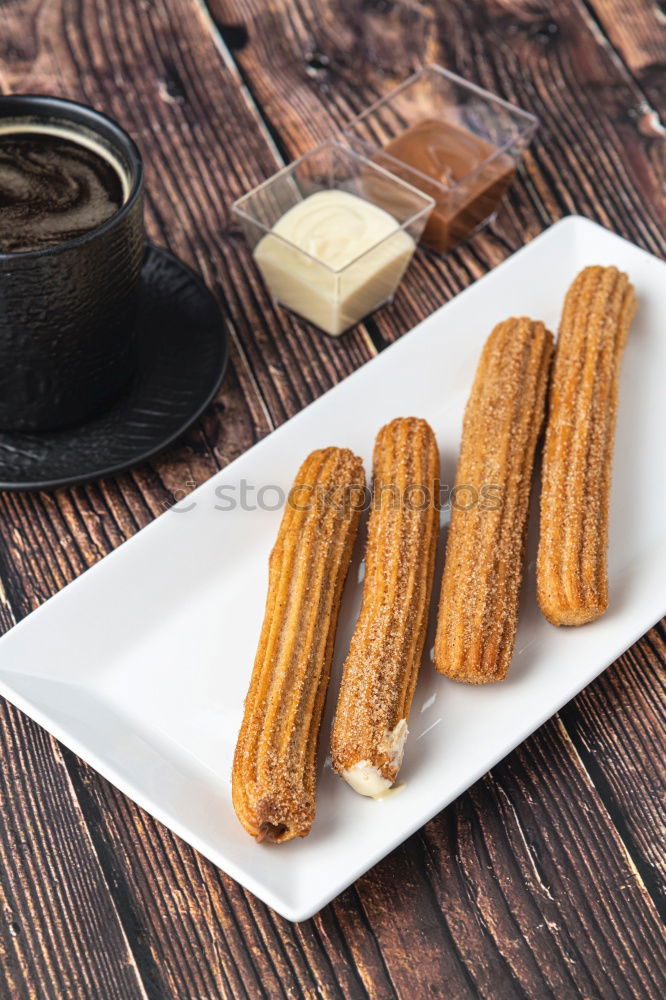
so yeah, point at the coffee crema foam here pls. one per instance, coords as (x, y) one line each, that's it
(55, 185)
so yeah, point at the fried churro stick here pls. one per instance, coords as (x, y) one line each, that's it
(380, 672)
(572, 581)
(478, 608)
(273, 778)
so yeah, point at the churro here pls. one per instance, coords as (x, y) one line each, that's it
(380, 672)
(273, 778)
(478, 608)
(572, 577)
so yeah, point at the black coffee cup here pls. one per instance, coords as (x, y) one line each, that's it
(67, 310)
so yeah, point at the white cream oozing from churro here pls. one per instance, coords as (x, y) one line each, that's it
(365, 778)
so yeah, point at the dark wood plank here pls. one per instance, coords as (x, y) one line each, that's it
(635, 33)
(56, 905)
(548, 876)
(618, 725)
(636, 29)
(62, 937)
(494, 896)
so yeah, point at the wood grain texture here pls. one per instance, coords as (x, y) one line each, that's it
(194, 915)
(637, 31)
(54, 899)
(618, 728)
(536, 899)
(542, 880)
(634, 35)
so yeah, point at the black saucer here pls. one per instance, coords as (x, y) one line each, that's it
(182, 354)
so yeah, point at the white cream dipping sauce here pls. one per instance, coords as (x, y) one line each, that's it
(343, 257)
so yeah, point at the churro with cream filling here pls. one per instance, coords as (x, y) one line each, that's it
(380, 672)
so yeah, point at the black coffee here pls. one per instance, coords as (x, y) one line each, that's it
(52, 189)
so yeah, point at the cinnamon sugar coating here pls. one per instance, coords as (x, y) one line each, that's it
(380, 672)
(572, 579)
(273, 777)
(478, 608)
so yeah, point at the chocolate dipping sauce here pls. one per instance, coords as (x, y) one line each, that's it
(52, 189)
(448, 153)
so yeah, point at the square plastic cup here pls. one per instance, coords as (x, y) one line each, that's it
(462, 148)
(342, 255)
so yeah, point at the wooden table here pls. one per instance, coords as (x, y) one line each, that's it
(547, 877)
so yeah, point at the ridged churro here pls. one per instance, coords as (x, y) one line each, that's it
(572, 579)
(273, 778)
(478, 608)
(380, 672)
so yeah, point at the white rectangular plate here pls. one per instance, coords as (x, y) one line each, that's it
(140, 666)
